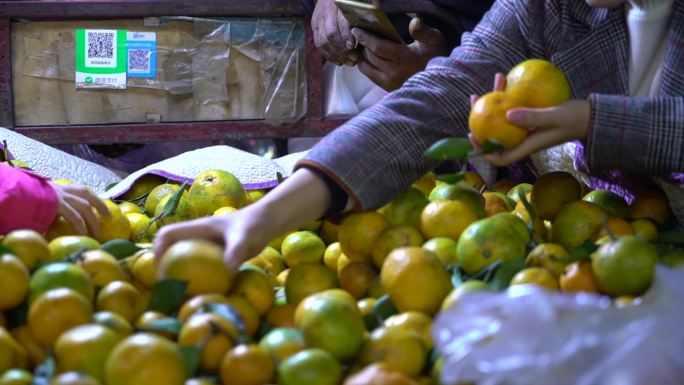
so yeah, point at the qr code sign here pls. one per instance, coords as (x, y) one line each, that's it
(101, 45)
(139, 60)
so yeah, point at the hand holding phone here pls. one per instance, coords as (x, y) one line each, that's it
(368, 17)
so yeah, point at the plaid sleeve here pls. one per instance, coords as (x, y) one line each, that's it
(642, 135)
(380, 152)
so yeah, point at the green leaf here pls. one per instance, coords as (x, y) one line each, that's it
(491, 146)
(172, 204)
(449, 148)
(191, 356)
(5, 152)
(44, 372)
(581, 253)
(264, 328)
(169, 325)
(452, 178)
(502, 277)
(6, 250)
(120, 248)
(18, 315)
(167, 295)
(280, 178)
(673, 236)
(229, 313)
(384, 308)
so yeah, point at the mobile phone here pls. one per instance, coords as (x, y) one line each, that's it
(369, 17)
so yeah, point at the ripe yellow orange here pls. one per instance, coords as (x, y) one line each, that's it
(302, 247)
(255, 195)
(115, 226)
(393, 238)
(34, 352)
(356, 278)
(426, 183)
(247, 365)
(366, 305)
(250, 317)
(215, 334)
(115, 322)
(488, 120)
(329, 231)
(331, 255)
(141, 229)
(552, 191)
(653, 205)
(282, 343)
(496, 202)
(307, 279)
(444, 248)
(578, 276)
(408, 268)
(415, 322)
(122, 298)
(617, 226)
(129, 208)
(538, 83)
(549, 256)
(85, 349)
(62, 247)
(145, 359)
(536, 275)
(200, 263)
(102, 268)
(256, 287)
(281, 316)
(310, 364)
(59, 228)
(305, 305)
(146, 322)
(213, 189)
(27, 245)
(142, 187)
(55, 312)
(466, 287)
(12, 354)
(358, 234)
(185, 211)
(14, 281)
(144, 269)
(576, 223)
(399, 349)
(156, 194)
(645, 229)
(405, 209)
(195, 303)
(446, 218)
(16, 377)
(270, 260)
(277, 242)
(460, 192)
(227, 210)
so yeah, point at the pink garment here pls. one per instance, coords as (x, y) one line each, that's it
(27, 201)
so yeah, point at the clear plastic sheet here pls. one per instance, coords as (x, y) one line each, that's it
(207, 69)
(529, 336)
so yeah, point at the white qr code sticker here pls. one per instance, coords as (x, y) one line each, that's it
(101, 48)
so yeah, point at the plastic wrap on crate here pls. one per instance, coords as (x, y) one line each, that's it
(529, 336)
(206, 69)
(55, 164)
(254, 172)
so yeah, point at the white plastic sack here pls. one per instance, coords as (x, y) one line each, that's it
(347, 91)
(530, 336)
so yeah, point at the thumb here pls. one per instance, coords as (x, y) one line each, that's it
(424, 34)
(533, 117)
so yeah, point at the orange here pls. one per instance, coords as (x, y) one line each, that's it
(115, 226)
(281, 278)
(61, 274)
(444, 248)
(157, 194)
(27, 245)
(342, 261)
(185, 211)
(489, 240)
(85, 349)
(12, 355)
(645, 229)
(408, 268)
(122, 298)
(549, 256)
(14, 281)
(651, 205)
(213, 333)
(393, 238)
(247, 313)
(129, 208)
(113, 321)
(332, 324)
(277, 242)
(55, 312)
(101, 267)
(379, 373)
(414, 322)
(460, 192)
(536, 275)
(311, 366)
(142, 187)
(576, 223)
(302, 247)
(226, 210)
(282, 343)
(446, 218)
(304, 306)
(200, 263)
(625, 266)
(270, 260)
(16, 377)
(62, 247)
(399, 349)
(281, 316)
(247, 365)
(495, 203)
(618, 227)
(144, 269)
(357, 278)
(426, 183)
(35, 353)
(329, 231)
(466, 287)
(515, 191)
(626, 301)
(405, 209)
(331, 255)
(473, 180)
(504, 185)
(366, 305)
(255, 195)
(307, 279)
(213, 189)
(59, 228)
(145, 359)
(613, 204)
(358, 234)
(142, 230)
(74, 378)
(256, 287)
(552, 191)
(538, 227)
(312, 226)
(578, 276)
(538, 83)
(195, 303)
(147, 320)
(488, 120)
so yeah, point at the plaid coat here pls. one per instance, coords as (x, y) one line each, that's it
(380, 152)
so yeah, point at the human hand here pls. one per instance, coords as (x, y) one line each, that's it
(332, 34)
(75, 203)
(241, 233)
(547, 127)
(389, 64)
